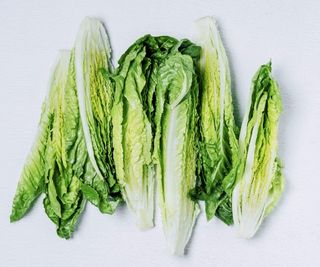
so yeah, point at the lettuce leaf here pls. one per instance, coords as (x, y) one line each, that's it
(219, 144)
(95, 97)
(32, 180)
(258, 172)
(155, 130)
(71, 161)
(176, 143)
(133, 124)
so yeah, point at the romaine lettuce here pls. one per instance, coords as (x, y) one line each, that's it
(71, 160)
(176, 143)
(133, 123)
(219, 132)
(258, 173)
(95, 96)
(32, 180)
(155, 130)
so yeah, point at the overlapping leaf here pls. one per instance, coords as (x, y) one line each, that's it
(71, 160)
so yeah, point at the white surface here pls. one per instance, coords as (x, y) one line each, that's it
(31, 32)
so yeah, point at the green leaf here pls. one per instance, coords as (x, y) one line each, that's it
(133, 128)
(71, 161)
(32, 180)
(219, 147)
(258, 171)
(66, 158)
(176, 144)
(95, 97)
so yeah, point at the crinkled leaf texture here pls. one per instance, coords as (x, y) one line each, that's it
(176, 143)
(71, 160)
(66, 159)
(133, 124)
(219, 144)
(155, 129)
(258, 172)
(57, 158)
(95, 97)
(32, 180)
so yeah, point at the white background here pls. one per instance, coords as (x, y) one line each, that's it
(31, 32)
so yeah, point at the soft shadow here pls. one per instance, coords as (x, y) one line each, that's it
(121, 209)
(189, 244)
(79, 220)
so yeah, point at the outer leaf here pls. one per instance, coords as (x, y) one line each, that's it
(218, 130)
(95, 96)
(32, 179)
(258, 172)
(71, 162)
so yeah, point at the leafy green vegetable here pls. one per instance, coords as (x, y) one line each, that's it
(166, 115)
(71, 161)
(66, 160)
(176, 143)
(133, 123)
(56, 162)
(259, 178)
(155, 123)
(219, 143)
(95, 96)
(32, 179)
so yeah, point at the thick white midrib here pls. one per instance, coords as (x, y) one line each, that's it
(141, 200)
(172, 180)
(240, 194)
(80, 82)
(243, 129)
(171, 188)
(177, 235)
